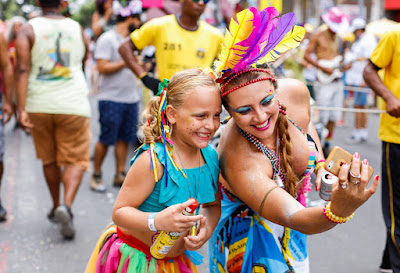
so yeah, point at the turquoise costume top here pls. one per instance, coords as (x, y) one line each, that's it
(177, 189)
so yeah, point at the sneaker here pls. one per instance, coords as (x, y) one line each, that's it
(385, 266)
(3, 213)
(64, 216)
(385, 270)
(119, 179)
(96, 183)
(353, 140)
(51, 216)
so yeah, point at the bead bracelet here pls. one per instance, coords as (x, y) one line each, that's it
(320, 163)
(334, 218)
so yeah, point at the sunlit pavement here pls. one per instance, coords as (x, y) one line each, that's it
(30, 243)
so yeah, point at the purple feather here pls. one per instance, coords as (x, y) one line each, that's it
(284, 25)
(270, 32)
(256, 25)
(268, 20)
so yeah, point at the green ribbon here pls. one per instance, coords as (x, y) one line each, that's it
(161, 86)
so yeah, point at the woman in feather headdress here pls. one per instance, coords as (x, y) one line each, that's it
(268, 151)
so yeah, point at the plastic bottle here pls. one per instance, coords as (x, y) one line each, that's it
(166, 239)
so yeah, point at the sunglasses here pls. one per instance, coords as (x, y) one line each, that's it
(205, 1)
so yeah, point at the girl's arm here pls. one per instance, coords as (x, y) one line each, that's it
(138, 185)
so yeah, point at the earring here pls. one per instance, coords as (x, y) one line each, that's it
(280, 108)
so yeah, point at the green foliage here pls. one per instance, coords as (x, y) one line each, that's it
(84, 14)
(10, 8)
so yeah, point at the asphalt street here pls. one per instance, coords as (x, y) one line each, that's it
(30, 243)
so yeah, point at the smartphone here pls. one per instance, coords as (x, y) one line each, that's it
(337, 157)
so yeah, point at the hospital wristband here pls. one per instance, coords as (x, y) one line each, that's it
(150, 222)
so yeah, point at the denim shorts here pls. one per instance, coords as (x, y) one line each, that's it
(360, 98)
(118, 122)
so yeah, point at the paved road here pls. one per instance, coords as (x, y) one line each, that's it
(30, 243)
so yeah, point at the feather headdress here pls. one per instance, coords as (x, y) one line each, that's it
(256, 38)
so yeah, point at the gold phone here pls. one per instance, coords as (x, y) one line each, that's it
(337, 157)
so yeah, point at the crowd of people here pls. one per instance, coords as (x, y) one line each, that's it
(184, 72)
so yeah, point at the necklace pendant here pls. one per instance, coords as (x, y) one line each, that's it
(278, 180)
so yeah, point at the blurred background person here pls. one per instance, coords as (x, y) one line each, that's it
(387, 56)
(357, 57)
(53, 103)
(14, 25)
(102, 19)
(119, 95)
(182, 41)
(6, 109)
(328, 48)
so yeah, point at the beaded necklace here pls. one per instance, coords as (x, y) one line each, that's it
(273, 158)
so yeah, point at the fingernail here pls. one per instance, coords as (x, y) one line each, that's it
(365, 161)
(377, 177)
(357, 155)
(346, 164)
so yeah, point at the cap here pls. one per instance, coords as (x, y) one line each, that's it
(358, 23)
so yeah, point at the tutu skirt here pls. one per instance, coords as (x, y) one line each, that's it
(116, 252)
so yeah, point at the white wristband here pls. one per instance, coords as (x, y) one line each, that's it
(150, 221)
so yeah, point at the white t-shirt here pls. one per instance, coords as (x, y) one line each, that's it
(121, 86)
(361, 49)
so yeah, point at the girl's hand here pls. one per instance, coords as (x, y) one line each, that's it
(172, 219)
(195, 242)
(351, 190)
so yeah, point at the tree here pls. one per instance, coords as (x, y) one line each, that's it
(84, 14)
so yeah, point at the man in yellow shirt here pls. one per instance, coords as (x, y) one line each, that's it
(387, 56)
(182, 41)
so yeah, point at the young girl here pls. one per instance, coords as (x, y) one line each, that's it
(175, 163)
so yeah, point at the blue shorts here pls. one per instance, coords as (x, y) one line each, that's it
(118, 122)
(360, 98)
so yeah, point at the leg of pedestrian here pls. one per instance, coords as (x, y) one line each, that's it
(52, 174)
(96, 181)
(121, 150)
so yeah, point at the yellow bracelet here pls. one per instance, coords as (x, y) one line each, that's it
(319, 165)
(334, 218)
(144, 74)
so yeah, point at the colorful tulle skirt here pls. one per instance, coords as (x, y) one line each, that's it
(116, 252)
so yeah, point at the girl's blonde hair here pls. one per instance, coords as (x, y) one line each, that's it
(180, 85)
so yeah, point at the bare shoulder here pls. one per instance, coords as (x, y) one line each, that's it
(142, 167)
(26, 32)
(296, 97)
(292, 91)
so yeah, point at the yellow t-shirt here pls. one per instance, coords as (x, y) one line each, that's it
(387, 56)
(177, 48)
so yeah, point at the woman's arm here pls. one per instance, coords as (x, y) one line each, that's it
(138, 185)
(249, 177)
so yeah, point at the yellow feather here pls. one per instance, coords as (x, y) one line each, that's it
(291, 40)
(238, 31)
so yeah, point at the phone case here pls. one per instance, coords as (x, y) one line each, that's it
(337, 157)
